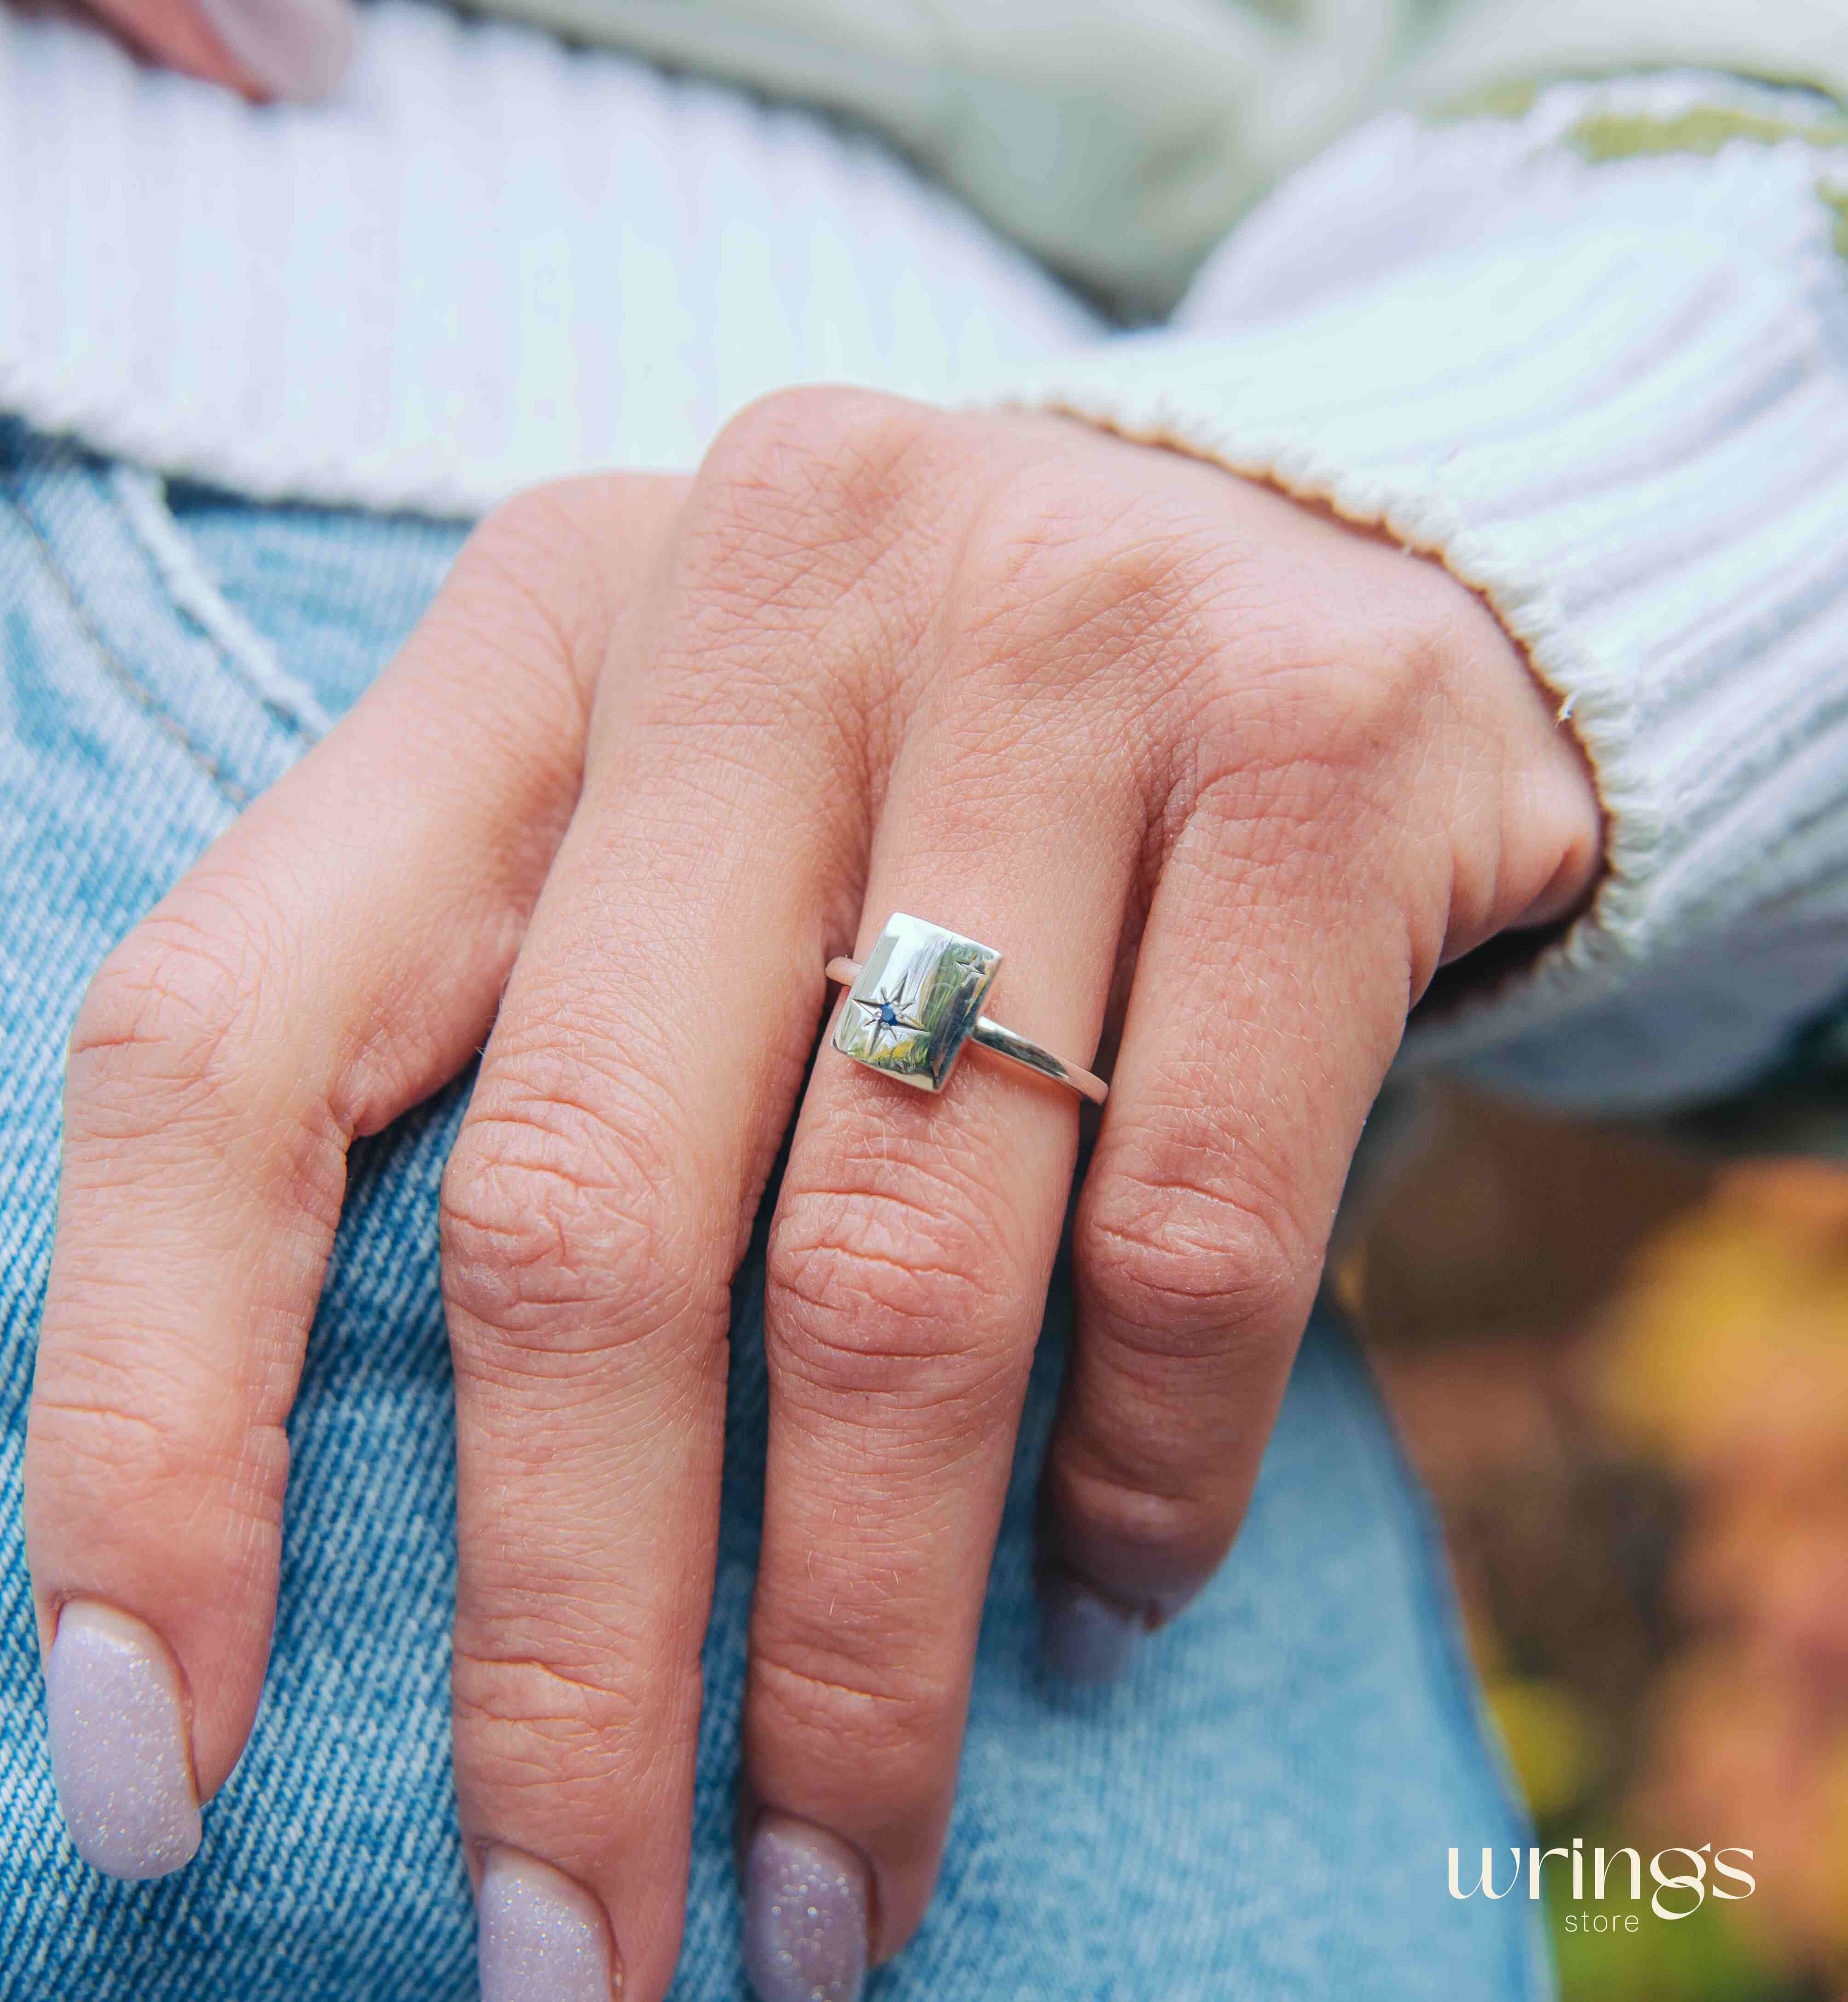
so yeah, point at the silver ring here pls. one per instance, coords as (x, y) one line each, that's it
(918, 999)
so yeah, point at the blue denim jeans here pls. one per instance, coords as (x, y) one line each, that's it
(1263, 1808)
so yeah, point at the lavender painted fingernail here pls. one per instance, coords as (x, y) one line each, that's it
(119, 1759)
(539, 1937)
(805, 1914)
(1083, 1636)
(293, 48)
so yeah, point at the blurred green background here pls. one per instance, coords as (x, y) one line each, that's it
(1621, 1368)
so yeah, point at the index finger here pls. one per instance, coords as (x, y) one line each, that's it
(335, 957)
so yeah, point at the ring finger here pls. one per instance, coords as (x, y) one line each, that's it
(907, 1274)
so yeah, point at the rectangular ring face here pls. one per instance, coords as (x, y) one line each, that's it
(915, 1002)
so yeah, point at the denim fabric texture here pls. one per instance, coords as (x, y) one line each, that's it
(1262, 1809)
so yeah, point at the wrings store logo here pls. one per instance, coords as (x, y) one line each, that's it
(1678, 1892)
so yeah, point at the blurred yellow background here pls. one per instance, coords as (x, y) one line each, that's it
(1621, 1368)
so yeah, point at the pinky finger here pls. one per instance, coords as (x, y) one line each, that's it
(1247, 1068)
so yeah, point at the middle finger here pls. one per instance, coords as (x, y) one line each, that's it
(646, 1056)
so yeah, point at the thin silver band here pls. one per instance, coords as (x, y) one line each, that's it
(1004, 1042)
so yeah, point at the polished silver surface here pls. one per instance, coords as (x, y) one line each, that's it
(913, 1006)
(917, 1001)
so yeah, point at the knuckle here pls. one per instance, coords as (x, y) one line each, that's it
(539, 556)
(169, 1022)
(529, 534)
(158, 1463)
(162, 1436)
(896, 1295)
(525, 1723)
(176, 1058)
(1365, 707)
(1185, 1255)
(1312, 716)
(1140, 1530)
(560, 1232)
(842, 451)
(145, 1446)
(1072, 575)
(838, 1716)
(803, 501)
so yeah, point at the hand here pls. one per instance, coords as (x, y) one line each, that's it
(260, 48)
(1226, 780)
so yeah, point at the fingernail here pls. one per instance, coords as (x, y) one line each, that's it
(1083, 1636)
(539, 1937)
(805, 1914)
(119, 1759)
(293, 48)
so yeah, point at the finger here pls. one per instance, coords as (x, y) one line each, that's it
(332, 959)
(1269, 995)
(1313, 889)
(908, 1266)
(646, 1059)
(294, 49)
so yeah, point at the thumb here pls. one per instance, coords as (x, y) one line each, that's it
(296, 49)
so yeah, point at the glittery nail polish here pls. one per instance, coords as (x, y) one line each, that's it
(119, 1759)
(1083, 1636)
(805, 1914)
(539, 1937)
(293, 48)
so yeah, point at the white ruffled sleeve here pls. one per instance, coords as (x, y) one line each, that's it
(1595, 360)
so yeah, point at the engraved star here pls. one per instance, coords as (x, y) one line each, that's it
(888, 1017)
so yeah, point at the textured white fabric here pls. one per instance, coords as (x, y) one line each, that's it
(1614, 399)
(487, 261)
(1119, 140)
